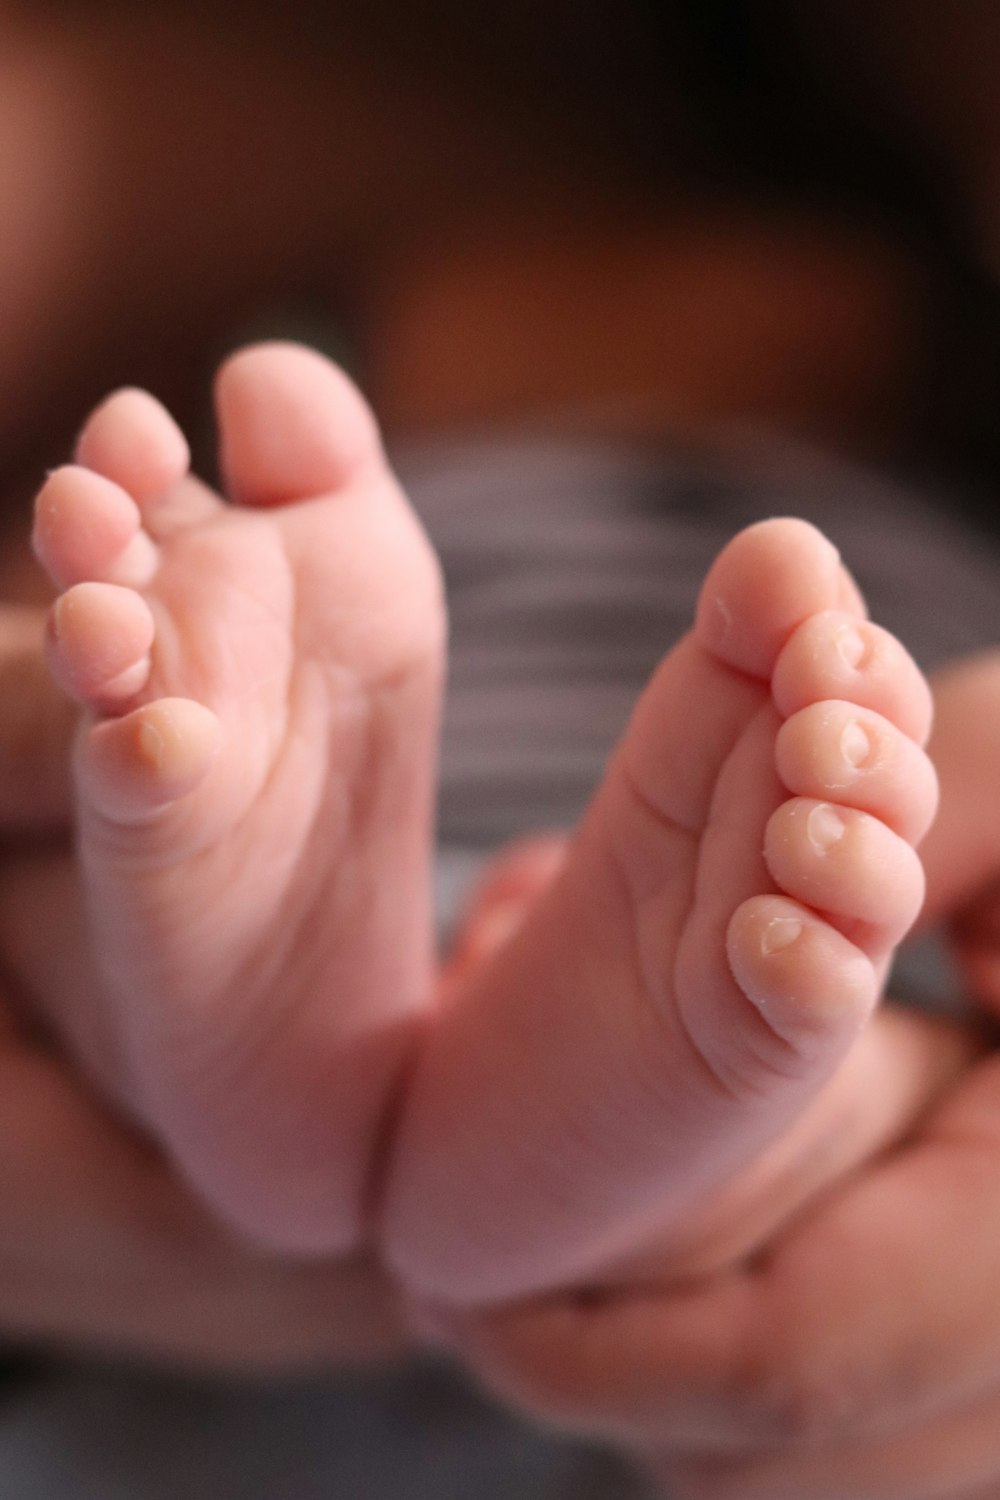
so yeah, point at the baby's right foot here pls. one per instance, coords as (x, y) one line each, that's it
(716, 938)
(254, 773)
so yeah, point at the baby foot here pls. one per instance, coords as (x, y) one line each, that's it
(254, 780)
(714, 941)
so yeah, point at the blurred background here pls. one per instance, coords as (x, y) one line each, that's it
(763, 211)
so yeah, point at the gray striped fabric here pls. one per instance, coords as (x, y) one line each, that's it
(573, 566)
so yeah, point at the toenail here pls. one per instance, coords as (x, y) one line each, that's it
(780, 932)
(825, 827)
(855, 744)
(851, 645)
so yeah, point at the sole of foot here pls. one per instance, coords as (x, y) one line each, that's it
(260, 676)
(709, 950)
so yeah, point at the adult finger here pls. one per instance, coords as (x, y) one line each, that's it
(102, 1246)
(954, 1458)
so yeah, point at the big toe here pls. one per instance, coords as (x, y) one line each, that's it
(766, 582)
(292, 426)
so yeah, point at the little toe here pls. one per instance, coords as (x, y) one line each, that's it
(292, 426)
(812, 986)
(133, 440)
(98, 643)
(836, 655)
(834, 750)
(136, 766)
(848, 866)
(89, 528)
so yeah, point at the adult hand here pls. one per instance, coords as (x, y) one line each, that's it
(101, 1245)
(858, 1356)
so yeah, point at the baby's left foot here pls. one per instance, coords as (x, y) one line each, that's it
(254, 781)
(705, 957)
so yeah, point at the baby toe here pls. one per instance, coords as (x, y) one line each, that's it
(762, 586)
(87, 528)
(292, 426)
(838, 751)
(846, 865)
(811, 985)
(133, 440)
(99, 640)
(836, 655)
(137, 765)
(849, 597)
